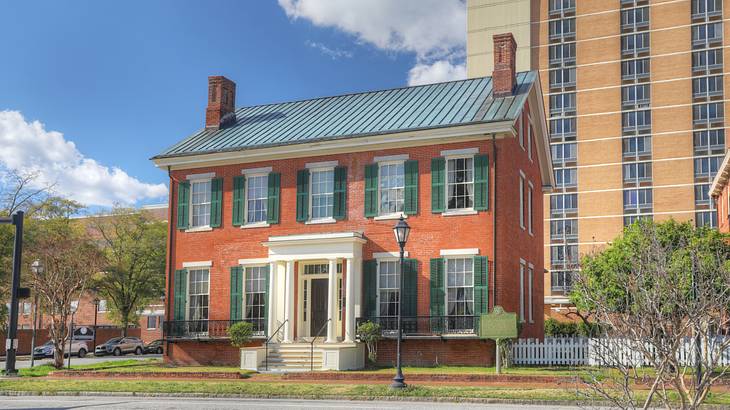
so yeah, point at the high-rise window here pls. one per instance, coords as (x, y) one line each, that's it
(707, 166)
(705, 34)
(638, 199)
(633, 44)
(635, 96)
(633, 146)
(563, 203)
(562, 28)
(635, 19)
(635, 69)
(563, 128)
(709, 141)
(562, 103)
(706, 60)
(636, 172)
(636, 121)
(562, 229)
(563, 153)
(566, 178)
(562, 53)
(710, 112)
(707, 86)
(562, 77)
(706, 8)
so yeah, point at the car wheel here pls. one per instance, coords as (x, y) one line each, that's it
(138, 351)
(82, 352)
(117, 352)
(159, 350)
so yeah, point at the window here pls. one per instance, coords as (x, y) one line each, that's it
(460, 294)
(564, 229)
(702, 194)
(320, 268)
(706, 218)
(632, 44)
(198, 287)
(566, 178)
(529, 208)
(704, 34)
(706, 8)
(522, 200)
(388, 285)
(562, 77)
(530, 280)
(26, 308)
(102, 305)
(637, 199)
(561, 6)
(707, 86)
(635, 18)
(633, 146)
(562, 256)
(562, 28)
(635, 69)
(256, 198)
(637, 172)
(707, 167)
(521, 132)
(151, 322)
(635, 95)
(565, 203)
(522, 291)
(460, 183)
(564, 152)
(529, 139)
(561, 281)
(563, 54)
(710, 141)
(706, 60)
(256, 296)
(636, 120)
(563, 128)
(392, 187)
(200, 203)
(74, 305)
(711, 112)
(562, 103)
(631, 219)
(322, 198)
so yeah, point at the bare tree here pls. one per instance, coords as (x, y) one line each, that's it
(659, 291)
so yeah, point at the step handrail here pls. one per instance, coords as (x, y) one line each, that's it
(311, 345)
(266, 358)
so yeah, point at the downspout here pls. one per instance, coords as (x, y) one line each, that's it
(494, 224)
(170, 233)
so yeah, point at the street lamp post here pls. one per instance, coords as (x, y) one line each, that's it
(37, 269)
(11, 344)
(96, 312)
(401, 231)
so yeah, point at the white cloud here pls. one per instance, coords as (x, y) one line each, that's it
(333, 53)
(29, 147)
(432, 29)
(439, 71)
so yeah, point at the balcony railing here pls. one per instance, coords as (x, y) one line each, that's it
(424, 326)
(208, 329)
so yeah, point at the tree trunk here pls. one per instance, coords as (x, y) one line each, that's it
(58, 358)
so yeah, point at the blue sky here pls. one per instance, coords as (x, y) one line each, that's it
(113, 83)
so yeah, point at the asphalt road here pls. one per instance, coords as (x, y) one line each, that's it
(60, 402)
(24, 361)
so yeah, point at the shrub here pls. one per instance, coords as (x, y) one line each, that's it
(240, 333)
(555, 328)
(369, 333)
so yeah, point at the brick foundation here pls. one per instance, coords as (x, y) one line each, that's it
(437, 352)
(194, 353)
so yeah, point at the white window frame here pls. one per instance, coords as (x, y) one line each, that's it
(523, 266)
(327, 167)
(529, 138)
(103, 306)
(197, 179)
(157, 321)
(391, 215)
(467, 255)
(521, 132)
(521, 186)
(530, 283)
(249, 177)
(454, 156)
(530, 189)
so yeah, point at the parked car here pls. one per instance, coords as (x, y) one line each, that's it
(154, 346)
(78, 348)
(120, 345)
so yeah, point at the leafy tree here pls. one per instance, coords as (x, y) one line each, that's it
(134, 274)
(654, 289)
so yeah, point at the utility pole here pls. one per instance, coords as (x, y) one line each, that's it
(11, 344)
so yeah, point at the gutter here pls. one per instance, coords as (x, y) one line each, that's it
(494, 225)
(169, 261)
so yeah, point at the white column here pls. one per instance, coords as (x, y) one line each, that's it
(350, 302)
(271, 323)
(289, 302)
(332, 302)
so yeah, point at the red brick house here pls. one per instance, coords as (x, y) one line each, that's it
(720, 192)
(284, 216)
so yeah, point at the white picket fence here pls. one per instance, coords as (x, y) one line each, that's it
(582, 351)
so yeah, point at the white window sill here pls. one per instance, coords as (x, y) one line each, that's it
(320, 221)
(151, 328)
(457, 212)
(199, 229)
(256, 225)
(396, 215)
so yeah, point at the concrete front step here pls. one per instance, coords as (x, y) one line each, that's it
(294, 357)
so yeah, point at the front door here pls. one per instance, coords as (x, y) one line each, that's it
(319, 307)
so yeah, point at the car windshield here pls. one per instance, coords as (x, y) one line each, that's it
(115, 340)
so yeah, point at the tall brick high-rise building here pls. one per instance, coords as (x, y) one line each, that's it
(635, 97)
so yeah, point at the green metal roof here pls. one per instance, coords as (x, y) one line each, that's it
(355, 115)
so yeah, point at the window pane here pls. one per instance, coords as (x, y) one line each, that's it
(460, 183)
(392, 183)
(323, 185)
(256, 198)
(200, 200)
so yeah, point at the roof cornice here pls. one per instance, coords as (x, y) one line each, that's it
(721, 179)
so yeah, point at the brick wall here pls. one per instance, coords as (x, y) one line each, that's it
(437, 352)
(214, 353)
(723, 213)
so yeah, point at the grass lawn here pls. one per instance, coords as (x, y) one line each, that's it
(521, 371)
(127, 366)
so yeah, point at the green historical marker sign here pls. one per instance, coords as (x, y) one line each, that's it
(498, 324)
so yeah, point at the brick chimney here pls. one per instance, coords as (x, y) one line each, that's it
(221, 102)
(503, 76)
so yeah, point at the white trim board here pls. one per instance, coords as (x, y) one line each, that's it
(253, 171)
(463, 151)
(459, 252)
(195, 177)
(200, 264)
(322, 164)
(389, 255)
(254, 261)
(387, 158)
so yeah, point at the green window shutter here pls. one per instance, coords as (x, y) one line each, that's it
(272, 202)
(183, 198)
(410, 203)
(181, 293)
(340, 193)
(438, 295)
(266, 300)
(371, 190)
(481, 285)
(236, 293)
(302, 195)
(481, 182)
(216, 202)
(410, 287)
(370, 287)
(438, 182)
(239, 186)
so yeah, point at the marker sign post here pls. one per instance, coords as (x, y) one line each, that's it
(498, 325)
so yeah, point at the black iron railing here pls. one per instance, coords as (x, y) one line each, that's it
(426, 325)
(208, 329)
(311, 344)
